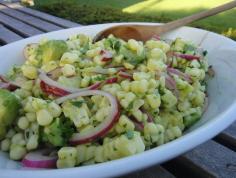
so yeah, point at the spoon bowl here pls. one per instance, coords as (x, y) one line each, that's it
(126, 32)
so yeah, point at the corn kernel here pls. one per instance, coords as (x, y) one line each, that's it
(133, 44)
(54, 109)
(30, 72)
(68, 70)
(155, 65)
(18, 139)
(17, 152)
(31, 116)
(23, 123)
(5, 144)
(68, 58)
(51, 65)
(44, 117)
(154, 100)
(158, 54)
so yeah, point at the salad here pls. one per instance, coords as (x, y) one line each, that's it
(74, 102)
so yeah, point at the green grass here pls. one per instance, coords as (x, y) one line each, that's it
(102, 11)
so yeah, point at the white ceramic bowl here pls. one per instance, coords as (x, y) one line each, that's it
(219, 115)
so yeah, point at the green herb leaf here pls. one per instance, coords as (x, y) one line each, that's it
(129, 134)
(116, 45)
(189, 47)
(113, 43)
(85, 48)
(131, 57)
(77, 103)
(58, 132)
(99, 78)
(130, 106)
(204, 52)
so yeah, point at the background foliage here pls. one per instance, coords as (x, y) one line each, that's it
(104, 11)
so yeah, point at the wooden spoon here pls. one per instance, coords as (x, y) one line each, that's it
(145, 32)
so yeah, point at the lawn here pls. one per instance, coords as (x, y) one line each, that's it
(102, 11)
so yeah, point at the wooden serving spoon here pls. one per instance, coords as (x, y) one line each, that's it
(145, 32)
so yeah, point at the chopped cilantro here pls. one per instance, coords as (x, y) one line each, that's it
(189, 47)
(131, 57)
(13, 72)
(204, 52)
(130, 106)
(77, 103)
(85, 48)
(58, 132)
(113, 43)
(107, 43)
(99, 78)
(117, 45)
(129, 134)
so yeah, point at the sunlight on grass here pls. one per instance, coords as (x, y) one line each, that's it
(105, 11)
(181, 8)
(149, 6)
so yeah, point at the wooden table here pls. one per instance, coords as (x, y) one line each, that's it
(215, 158)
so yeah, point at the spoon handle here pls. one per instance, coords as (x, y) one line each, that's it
(186, 20)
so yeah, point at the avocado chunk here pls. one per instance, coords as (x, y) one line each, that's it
(52, 50)
(9, 109)
(58, 132)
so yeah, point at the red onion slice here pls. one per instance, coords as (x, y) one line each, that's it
(156, 37)
(52, 90)
(99, 84)
(52, 87)
(53, 84)
(170, 82)
(95, 86)
(150, 118)
(104, 127)
(8, 85)
(171, 85)
(138, 125)
(180, 74)
(39, 159)
(188, 57)
(111, 80)
(125, 75)
(106, 55)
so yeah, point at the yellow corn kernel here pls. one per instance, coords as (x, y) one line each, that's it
(141, 75)
(133, 44)
(29, 71)
(17, 152)
(125, 85)
(68, 70)
(23, 123)
(155, 65)
(44, 117)
(128, 65)
(51, 65)
(139, 86)
(154, 100)
(54, 109)
(158, 54)
(68, 58)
